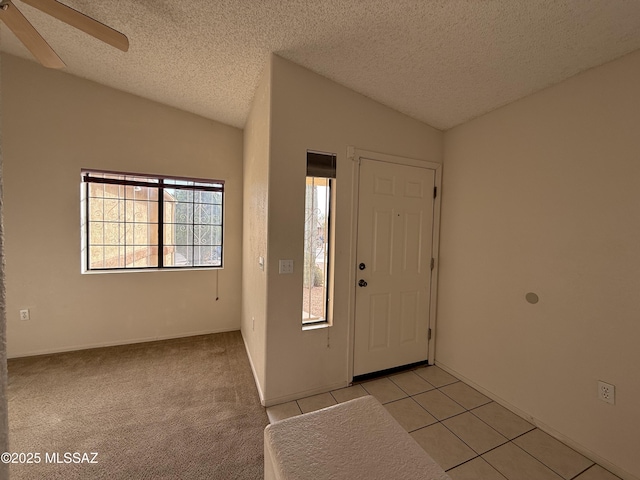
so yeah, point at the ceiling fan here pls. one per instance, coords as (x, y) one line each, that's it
(36, 44)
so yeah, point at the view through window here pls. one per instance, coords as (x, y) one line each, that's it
(133, 221)
(318, 238)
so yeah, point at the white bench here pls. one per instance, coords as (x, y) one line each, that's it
(354, 440)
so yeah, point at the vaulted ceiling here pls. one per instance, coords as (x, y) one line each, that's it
(439, 61)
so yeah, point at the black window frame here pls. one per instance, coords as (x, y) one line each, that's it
(323, 165)
(135, 180)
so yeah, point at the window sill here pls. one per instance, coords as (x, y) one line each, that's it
(315, 326)
(147, 270)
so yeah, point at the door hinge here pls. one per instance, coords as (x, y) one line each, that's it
(433, 263)
(435, 192)
(429, 334)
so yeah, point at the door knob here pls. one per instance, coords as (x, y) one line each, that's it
(362, 283)
(362, 266)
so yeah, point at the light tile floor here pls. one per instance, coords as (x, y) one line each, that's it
(468, 434)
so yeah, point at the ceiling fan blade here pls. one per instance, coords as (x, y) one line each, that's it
(29, 36)
(82, 22)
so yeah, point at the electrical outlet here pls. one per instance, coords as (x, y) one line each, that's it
(607, 392)
(24, 314)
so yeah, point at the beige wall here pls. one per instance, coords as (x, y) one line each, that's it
(542, 196)
(538, 196)
(255, 225)
(55, 124)
(309, 111)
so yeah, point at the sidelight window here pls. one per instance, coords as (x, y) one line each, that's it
(318, 238)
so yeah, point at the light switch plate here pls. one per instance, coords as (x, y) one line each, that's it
(286, 266)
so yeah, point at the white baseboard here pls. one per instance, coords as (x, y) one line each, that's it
(305, 393)
(543, 426)
(286, 398)
(293, 396)
(75, 348)
(253, 370)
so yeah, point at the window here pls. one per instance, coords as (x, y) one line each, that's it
(318, 238)
(134, 221)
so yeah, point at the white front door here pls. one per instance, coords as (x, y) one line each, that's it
(394, 245)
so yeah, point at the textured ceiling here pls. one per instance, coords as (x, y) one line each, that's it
(440, 61)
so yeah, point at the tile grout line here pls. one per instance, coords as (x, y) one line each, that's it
(562, 443)
(410, 371)
(438, 388)
(441, 421)
(548, 466)
(480, 457)
(490, 426)
(581, 472)
(508, 440)
(531, 455)
(466, 410)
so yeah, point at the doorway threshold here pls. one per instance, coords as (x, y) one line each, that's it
(389, 371)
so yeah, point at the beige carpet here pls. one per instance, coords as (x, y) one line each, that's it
(185, 408)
